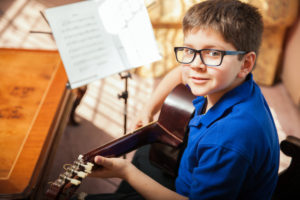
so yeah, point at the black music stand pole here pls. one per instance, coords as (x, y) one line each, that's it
(124, 95)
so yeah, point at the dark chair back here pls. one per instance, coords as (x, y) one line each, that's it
(288, 186)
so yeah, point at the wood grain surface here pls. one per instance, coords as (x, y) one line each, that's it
(32, 86)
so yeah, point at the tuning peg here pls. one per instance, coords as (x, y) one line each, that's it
(74, 181)
(70, 169)
(67, 166)
(81, 174)
(80, 157)
(88, 167)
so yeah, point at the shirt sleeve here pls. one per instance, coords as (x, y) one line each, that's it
(219, 173)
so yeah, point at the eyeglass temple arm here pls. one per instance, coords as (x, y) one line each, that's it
(234, 52)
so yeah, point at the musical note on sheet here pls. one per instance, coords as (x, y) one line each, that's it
(98, 38)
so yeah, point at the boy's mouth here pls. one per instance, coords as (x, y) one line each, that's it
(199, 80)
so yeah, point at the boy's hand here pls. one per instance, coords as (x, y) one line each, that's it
(143, 119)
(111, 167)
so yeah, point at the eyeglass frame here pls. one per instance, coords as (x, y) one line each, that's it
(223, 53)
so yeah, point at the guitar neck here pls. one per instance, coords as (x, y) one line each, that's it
(129, 142)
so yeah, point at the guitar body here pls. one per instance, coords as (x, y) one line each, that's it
(169, 130)
(175, 115)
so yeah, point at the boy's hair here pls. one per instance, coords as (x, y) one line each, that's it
(239, 23)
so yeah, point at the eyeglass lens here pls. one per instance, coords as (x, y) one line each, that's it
(208, 56)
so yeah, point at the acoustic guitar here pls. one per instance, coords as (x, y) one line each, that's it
(168, 129)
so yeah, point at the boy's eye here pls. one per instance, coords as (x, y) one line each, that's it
(213, 53)
(188, 51)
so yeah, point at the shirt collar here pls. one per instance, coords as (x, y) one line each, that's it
(226, 102)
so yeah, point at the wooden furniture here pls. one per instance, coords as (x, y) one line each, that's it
(34, 106)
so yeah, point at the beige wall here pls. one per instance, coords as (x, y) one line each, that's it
(291, 62)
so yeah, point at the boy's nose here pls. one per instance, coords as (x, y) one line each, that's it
(197, 62)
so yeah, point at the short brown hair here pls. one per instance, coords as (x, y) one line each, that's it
(239, 23)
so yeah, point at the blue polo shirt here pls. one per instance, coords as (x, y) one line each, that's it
(233, 149)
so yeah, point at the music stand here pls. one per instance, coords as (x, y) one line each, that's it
(124, 95)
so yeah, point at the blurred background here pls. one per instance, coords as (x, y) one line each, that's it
(100, 113)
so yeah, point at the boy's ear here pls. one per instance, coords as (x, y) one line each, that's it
(247, 65)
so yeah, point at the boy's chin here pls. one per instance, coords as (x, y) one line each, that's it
(198, 92)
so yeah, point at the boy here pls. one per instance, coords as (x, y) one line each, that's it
(232, 150)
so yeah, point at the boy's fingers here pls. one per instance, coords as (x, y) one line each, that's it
(97, 160)
(139, 124)
(105, 162)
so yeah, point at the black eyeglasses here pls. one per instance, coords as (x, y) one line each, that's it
(209, 57)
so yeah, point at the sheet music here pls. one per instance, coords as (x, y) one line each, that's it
(102, 37)
(130, 21)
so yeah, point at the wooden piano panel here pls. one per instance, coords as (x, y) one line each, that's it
(32, 94)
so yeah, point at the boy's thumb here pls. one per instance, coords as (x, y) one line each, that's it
(100, 160)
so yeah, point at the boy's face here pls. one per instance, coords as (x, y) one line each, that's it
(211, 81)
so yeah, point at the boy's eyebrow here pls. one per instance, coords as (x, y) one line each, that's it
(187, 45)
(206, 46)
(214, 47)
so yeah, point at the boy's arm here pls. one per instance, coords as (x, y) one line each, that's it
(167, 84)
(143, 184)
(149, 188)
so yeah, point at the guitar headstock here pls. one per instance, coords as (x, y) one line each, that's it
(67, 183)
